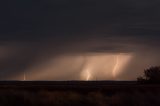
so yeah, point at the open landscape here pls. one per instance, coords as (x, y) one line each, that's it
(79, 52)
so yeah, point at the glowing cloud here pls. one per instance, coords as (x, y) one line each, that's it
(104, 66)
(92, 66)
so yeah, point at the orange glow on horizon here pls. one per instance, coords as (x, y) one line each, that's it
(92, 66)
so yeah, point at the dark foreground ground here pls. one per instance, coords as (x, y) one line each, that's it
(78, 93)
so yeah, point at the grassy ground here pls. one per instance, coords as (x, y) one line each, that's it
(109, 95)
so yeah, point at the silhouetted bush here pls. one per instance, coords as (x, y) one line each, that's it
(151, 75)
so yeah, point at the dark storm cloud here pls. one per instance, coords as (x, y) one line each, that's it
(35, 19)
(33, 31)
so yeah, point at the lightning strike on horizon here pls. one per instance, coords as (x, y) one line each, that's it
(24, 76)
(88, 75)
(115, 66)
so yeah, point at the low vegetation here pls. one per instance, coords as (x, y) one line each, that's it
(70, 98)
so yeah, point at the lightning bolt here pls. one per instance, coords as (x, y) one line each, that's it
(24, 76)
(115, 66)
(86, 72)
(88, 75)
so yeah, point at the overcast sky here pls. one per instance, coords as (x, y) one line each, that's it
(58, 39)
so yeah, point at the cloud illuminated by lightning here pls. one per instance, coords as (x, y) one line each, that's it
(105, 66)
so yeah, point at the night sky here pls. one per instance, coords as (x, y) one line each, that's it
(78, 39)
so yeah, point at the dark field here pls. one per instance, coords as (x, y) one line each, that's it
(78, 93)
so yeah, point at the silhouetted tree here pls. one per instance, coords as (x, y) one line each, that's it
(151, 75)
